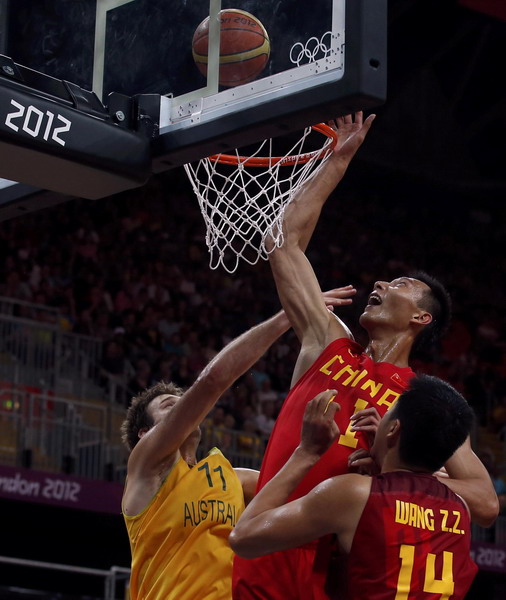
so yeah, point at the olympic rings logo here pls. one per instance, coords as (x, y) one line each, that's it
(312, 50)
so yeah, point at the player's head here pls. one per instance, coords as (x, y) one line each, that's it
(429, 421)
(438, 303)
(418, 302)
(146, 409)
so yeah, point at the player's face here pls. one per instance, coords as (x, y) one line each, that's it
(161, 406)
(393, 303)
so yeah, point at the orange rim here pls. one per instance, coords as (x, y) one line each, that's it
(294, 159)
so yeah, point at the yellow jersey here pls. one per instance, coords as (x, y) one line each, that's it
(179, 542)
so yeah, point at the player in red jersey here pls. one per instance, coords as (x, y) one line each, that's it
(399, 314)
(406, 534)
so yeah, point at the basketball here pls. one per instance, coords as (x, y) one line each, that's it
(244, 47)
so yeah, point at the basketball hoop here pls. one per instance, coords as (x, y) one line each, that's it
(243, 198)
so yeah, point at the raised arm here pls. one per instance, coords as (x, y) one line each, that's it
(163, 440)
(352, 131)
(160, 444)
(298, 288)
(468, 477)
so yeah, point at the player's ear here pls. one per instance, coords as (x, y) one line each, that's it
(142, 432)
(422, 317)
(393, 432)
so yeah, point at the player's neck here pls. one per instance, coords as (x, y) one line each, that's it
(188, 450)
(392, 349)
(393, 462)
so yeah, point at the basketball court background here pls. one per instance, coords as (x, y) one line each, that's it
(443, 127)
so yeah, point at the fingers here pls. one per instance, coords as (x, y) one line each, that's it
(364, 466)
(358, 458)
(346, 290)
(339, 296)
(362, 462)
(347, 120)
(319, 430)
(337, 301)
(323, 404)
(340, 293)
(368, 123)
(366, 420)
(357, 454)
(328, 404)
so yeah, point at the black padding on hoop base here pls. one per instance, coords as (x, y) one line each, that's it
(60, 137)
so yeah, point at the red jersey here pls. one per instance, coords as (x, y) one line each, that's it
(412, 542)
(361, 383)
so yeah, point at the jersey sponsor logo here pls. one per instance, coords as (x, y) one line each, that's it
(414, 515)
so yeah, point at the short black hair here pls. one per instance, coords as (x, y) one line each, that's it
(435, 420)
(437, 301)
(137, 416)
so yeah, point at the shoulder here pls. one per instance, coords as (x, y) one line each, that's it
(141, 489)
(348, 488)
(340, 502)
(343, 343)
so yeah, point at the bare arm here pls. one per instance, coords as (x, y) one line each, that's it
(298, 288)
(159, 445)
(248, 479)
(352, 132)
(468, 477)
(307, 354)
(268, 524)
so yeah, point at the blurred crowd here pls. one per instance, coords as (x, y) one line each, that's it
(133, 271)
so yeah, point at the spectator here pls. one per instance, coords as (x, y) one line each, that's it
(265, 420)
(142, 378)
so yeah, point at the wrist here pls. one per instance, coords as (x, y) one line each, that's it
(306, 456)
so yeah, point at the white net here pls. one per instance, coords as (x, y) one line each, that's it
(244, 203)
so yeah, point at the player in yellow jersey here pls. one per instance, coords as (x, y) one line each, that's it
(179, 512)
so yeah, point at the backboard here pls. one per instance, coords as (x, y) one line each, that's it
(328, 57)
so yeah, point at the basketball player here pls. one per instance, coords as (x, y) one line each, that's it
(406, 533)
(398, 314)
(178, 512)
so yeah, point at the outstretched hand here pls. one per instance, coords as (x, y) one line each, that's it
(339, 296)
(319, 429)
(351, 131)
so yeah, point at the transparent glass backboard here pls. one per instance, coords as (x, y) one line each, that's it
(326, 57)
(306, 42)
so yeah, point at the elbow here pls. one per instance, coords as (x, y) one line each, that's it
(486, 512)
(238, 541)
(216, 378)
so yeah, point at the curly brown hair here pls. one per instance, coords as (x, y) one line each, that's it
(137, 416)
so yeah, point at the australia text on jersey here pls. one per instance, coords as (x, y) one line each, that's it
(214, 510)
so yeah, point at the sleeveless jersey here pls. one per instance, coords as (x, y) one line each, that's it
(179, 543)
(361, 383)
(412, 542)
